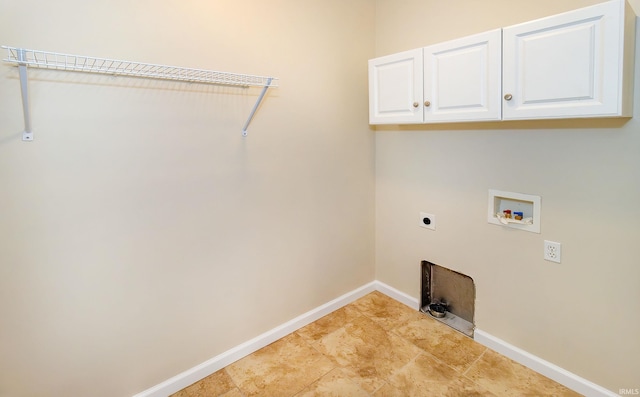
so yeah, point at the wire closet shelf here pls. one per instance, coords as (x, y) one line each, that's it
(24, 58)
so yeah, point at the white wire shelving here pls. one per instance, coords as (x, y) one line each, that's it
(25, 58)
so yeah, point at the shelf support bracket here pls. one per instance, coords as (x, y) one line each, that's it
(27, 135)
(255, 107)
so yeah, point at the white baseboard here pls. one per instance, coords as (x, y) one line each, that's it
(552, 371)
(220, 361)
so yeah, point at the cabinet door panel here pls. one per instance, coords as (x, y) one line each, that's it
(395, 88)
(462, 79)
(565, 65)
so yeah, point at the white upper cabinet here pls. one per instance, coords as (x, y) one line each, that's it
(569, 65)
(461, 82)
(395, 88)
(462, 79)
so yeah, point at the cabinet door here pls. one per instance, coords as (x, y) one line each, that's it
(567, 65)
(462, 79)
(395, 88)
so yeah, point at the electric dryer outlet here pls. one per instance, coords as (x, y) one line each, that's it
(428, 221)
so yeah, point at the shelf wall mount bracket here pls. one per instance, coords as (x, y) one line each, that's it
(27, 134)
(257, 104)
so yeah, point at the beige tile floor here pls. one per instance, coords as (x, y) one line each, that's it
(378, 347)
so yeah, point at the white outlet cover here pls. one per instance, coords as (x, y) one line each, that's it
(430, 224)
(552, 251)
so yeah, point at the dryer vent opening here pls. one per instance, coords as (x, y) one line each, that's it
(448, 296)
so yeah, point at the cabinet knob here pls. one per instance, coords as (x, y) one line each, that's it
(508, 97)
(427, 103)
(416, 104)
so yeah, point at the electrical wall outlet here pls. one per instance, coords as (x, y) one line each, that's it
(428, 221)
(552, 251)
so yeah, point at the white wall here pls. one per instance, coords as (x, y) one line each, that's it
(140, 233)
(582, 314)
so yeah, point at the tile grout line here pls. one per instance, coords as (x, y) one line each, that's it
(311, 345)
(464, 374)
(433, 356)
(474, 363)
(233, 381)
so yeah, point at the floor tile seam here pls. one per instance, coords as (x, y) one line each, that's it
(393, 331)
(384, 383)
(359, 386)
(233, 381)
(306, 342)
(437, 358)
(243, 394)
(386, 379)
(409, 341)
(314, 347)
(316, 322)
(312, 344)
(302, 388)
(322, 356)
(342, 369)
(380, 321)
(466, 376)
(421, 349)
(466, 372)
(312, 382)
(441, 361)
(364, 313)
(329, 357)
(413, 359)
